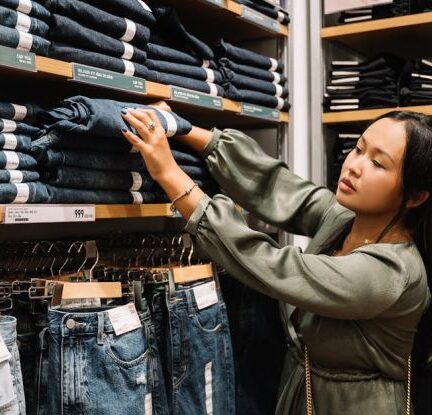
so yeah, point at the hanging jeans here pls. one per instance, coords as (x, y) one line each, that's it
(70, 54)
(12, 160)
(196, 351)
(101, 21)
(10, 141)
(17, 112)
(15, 39)
(18, 176)
(68, 31)
(30, 8)
(93, 371)
(34, 192)
(12, 400)
(22, 22)
(103, 117)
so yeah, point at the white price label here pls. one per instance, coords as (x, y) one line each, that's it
(205, 295)
(124, 319)
(49, 214)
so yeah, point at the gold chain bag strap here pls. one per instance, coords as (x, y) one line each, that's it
(308, 385)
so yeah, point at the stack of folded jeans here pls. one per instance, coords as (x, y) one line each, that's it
(24, 25)
(19, 179)
(84, 157)
(267, 9)
(416, 82)
(359, 84)
(251, 77)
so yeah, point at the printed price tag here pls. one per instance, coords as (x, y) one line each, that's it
(49, 214)
(124, 318)
(257, 111)
(217, 3)
(4, 352)
(108, 79)
(196, 98)
(205, 295)
(18, 59)
(260, 19)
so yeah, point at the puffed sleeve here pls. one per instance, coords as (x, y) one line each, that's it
(264, 186)
(361, 285)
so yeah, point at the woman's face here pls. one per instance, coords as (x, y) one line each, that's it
(371, 176)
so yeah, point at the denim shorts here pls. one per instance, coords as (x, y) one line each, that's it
(91, 370)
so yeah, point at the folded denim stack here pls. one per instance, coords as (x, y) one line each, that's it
(416, 82)
(18, 175)
(102, 34)
(24, 25)
(177, 57)
(267, 9)
(359, 84)
(251, 77)
(84, 157)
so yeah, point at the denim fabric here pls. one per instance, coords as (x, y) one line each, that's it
(18, 176)
(395, 8)
(68, 31)
(246, 57)
(98, 60)
(253, 72)
(415, 97)
(258, 98)
(10, 126)
(34, 192)
(189, 71)
(11, 160)
(101, 161)
(256, 331)
(101, 21)
(368, 101)
(15, 39)
(33, 8)
(266, 9)
(77, 178)
(164, 53)
(119, 374)
(245, 82)
(9, 141)
(196, 349)
(170, 27)
(22, 22)
(185, 82)
(387, 82)
(136, 10)
(103, 117)
(18, 112)
(377, 62)
(9, 336)
(355, 92)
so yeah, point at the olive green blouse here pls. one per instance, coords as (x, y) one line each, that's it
(356, 313)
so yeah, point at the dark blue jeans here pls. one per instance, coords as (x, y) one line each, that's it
(196, 351)
(71, 54)
(164, 53)
(247, 57)
(9, 141)
(136, 10)
(19, 112)
(11, 160)
(10, 126)
(18, 176)
(68, 31)
(103, 117)
(258, 98)
(31, 8)
(34, 192)
(22, 22)
(253, 72)
(119, 373)
(101, 21)
(15, 39)
(266, 9)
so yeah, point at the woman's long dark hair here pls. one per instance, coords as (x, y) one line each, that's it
(416, 178)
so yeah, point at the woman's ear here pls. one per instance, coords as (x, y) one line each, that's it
(418, 199)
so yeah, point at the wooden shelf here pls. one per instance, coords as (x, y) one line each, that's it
(368, 115)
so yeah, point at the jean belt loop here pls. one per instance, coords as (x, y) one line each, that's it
(42, 339)
(216, 276)
(171, 286)
(101, 321)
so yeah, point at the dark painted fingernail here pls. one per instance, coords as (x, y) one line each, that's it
(124, 130)
(124, 112)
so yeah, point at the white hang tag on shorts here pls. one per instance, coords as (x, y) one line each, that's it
(124, 319)
(205, 295)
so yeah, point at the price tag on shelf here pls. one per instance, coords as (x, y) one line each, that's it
(217, 3)
(49, 213)
(18, 59)
(259, 19)
(196, 98)
(258, 111)
(108, 79)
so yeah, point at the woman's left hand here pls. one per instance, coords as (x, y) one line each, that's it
(152, 142)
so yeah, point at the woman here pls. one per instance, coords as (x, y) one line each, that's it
(351, 303)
